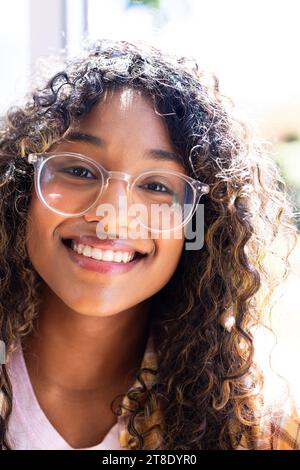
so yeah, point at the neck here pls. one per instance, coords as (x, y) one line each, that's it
(76, 352)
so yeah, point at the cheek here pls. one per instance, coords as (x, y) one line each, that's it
(83, 292)
(167, 256)
(40, 241)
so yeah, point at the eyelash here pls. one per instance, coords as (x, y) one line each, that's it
(166, 190)
(159, 184)
(77, 168)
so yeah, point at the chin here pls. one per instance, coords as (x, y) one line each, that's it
(89, 310)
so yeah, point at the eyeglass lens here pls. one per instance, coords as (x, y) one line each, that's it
(71, 185)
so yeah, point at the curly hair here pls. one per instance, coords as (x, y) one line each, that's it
(208, 383)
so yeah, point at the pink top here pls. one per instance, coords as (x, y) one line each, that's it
(29, 427)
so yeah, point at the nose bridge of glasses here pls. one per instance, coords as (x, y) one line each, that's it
(114, 197)
(113, 193)
(119, 175)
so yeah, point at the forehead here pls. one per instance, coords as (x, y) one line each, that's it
(127, 114)
(123, 129)
(125, 100)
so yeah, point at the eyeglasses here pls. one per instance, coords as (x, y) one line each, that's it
(70, 184)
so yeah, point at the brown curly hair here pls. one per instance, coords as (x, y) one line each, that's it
(208, 384)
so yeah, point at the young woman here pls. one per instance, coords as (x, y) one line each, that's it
(139, 341)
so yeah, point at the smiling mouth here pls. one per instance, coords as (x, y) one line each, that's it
(100, 255)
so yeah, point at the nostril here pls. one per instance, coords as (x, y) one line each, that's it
(92, 217)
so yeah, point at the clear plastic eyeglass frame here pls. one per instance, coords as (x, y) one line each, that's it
(38, 160)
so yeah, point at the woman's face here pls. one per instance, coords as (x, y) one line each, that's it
(129, 128)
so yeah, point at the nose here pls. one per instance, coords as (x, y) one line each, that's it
(111, 207)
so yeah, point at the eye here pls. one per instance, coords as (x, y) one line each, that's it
(79, 172)
(157, 187)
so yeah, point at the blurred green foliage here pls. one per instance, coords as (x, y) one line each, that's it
(147, 3)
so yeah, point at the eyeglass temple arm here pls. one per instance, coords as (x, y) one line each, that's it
(32, 158)
(201, 188)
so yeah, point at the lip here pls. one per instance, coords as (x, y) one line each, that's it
(108, 267)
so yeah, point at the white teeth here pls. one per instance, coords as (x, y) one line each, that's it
(96, 253)
(108, 255)
(118, 256)
(104, 255)
(87, 251)
(126, 257)
(80, 248)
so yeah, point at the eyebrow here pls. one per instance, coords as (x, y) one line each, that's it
(156, 154)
